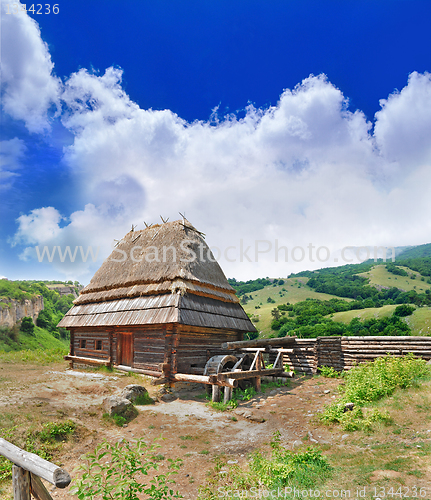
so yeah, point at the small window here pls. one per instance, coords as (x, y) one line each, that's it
(98, 345)
(82, 343)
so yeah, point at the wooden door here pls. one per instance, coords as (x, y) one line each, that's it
(126, 349)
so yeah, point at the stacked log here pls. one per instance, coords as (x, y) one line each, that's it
(302, 357)
(329, 353)
(361, 349)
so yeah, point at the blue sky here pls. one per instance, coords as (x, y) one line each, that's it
(292, 123)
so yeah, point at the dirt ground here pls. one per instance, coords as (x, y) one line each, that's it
(191, 429)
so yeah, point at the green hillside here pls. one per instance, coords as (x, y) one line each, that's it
(293, 290)
(364, 314)
(45, 334)
(380, 278)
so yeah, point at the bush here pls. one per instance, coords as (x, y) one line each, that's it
(404, 310)
(372, 381)
(113, 471)
(27, 325)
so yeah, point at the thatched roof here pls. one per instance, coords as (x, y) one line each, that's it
(163, 261)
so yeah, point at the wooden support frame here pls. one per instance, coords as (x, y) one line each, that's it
(27, 470)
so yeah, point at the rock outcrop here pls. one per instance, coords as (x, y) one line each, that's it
(12, 311)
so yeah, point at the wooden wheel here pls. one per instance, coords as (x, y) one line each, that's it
(217, 364)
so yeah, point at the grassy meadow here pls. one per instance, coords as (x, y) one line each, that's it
(379, 277)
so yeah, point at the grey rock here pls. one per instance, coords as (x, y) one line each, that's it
(168, 397)
(132, 392)
(327, 391)
(116, 405)
(255, 418)
(297, 443)
(344, 436)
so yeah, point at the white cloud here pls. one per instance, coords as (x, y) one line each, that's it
(29, 89)
(305, 171)
(11, 154)
(403, 126)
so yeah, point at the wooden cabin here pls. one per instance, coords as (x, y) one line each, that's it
(154, 308)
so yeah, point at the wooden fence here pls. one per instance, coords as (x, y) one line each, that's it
(307, 355)
(27, 470)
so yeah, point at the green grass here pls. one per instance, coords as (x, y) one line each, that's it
(295, 290)
(419, 321)
(36, 357)
(363, 314)
(379, 276)
(41, 339)
(279, 468)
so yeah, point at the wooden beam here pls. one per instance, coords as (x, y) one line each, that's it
(150, 373)
(259, 343)
(20, 483)
(88, 361)
(38, 466)
(204, 379)
(38, 489)
(241, 375)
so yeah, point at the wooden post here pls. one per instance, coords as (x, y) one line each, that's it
(258, 367)
(227, 395)
(21, 483)
(216, 394)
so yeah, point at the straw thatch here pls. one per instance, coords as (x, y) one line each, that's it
(158, 262)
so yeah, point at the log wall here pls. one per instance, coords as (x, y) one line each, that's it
(93, 338)
(307, 355)
(196, 345)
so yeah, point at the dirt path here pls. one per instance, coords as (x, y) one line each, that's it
(191, 430)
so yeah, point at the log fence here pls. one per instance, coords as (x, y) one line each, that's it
(342, 353)
(27, 470)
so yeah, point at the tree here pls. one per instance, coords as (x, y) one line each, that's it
(27, 325)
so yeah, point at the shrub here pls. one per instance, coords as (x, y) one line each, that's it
(112, 472)
(370, 382)
(27, 325)
(404, 310)
(329, 372)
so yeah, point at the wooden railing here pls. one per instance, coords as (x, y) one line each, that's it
(27, 470)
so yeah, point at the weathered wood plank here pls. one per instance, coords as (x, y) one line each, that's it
(20, 483)
(38, 466)
(38, 489)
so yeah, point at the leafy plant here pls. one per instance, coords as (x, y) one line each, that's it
(144, 399)
(280, 468)
(113, 472)
(329, 372)
(371, 382)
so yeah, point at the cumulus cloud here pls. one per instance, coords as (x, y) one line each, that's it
(29, 88)
(403, 126)
(307, 171)
(11, 154)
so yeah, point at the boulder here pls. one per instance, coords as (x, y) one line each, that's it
(132, 392)
(117, 405)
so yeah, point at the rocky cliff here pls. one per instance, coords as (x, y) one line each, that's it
(12, 311)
